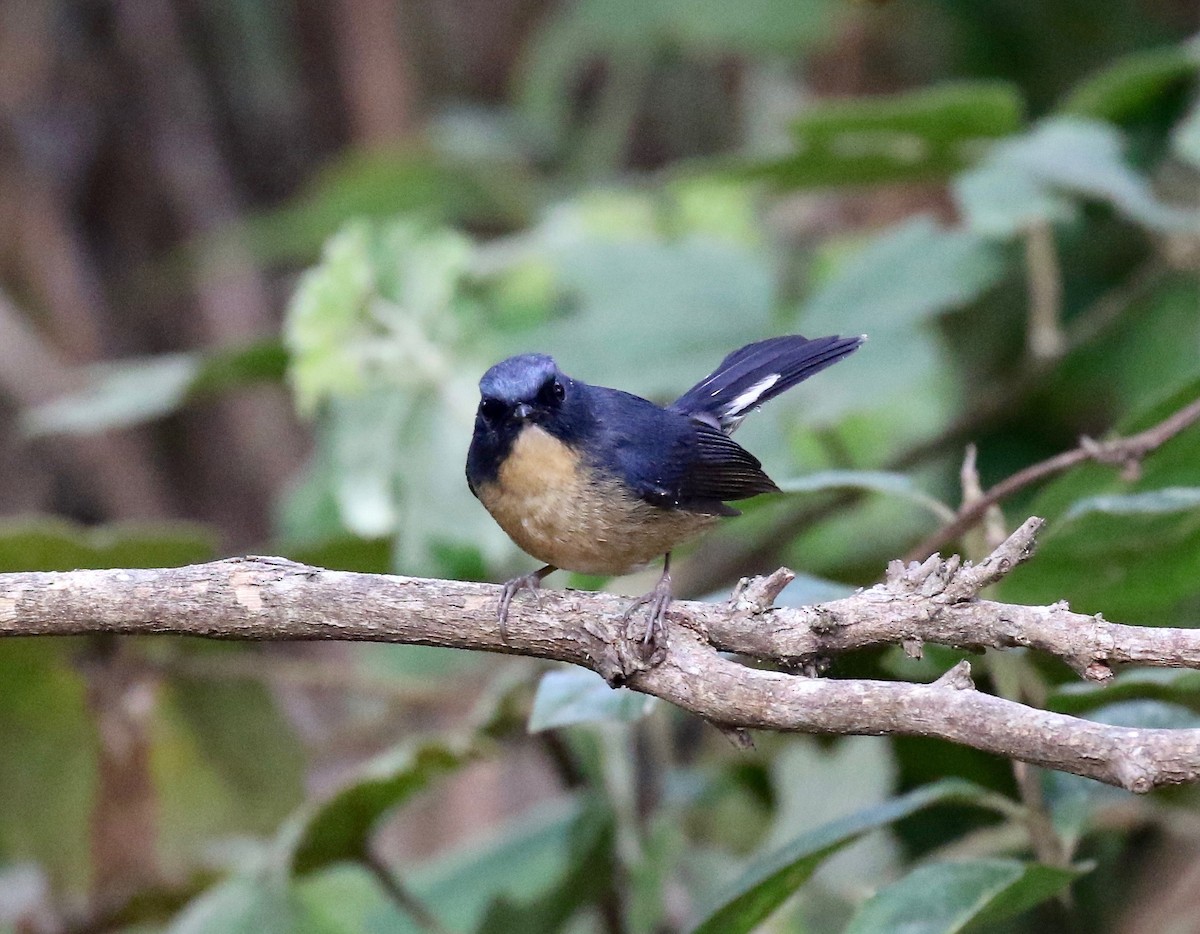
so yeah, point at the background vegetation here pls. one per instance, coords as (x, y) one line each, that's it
(253, 258)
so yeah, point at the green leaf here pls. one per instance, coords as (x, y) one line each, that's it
(930, 133)
(225, 759)
(1129, 566)
(899, 281)
(626, 33)
(261, 902)
(944, 898)
(534, 870)
(382, 184)
(1133, 564)
(381, 310)
(716, 208)
(1002, 200)
(583, 876)
(419, 665)
(239, 905)
(339, 828)
(1176, 687)
(264, 362)
(47, 760)
(381, 348)
(1147, 359)
(1132, 84)
(348, 897)
(371, 439)
(118, 395)
(1073, 799)
(771, 879)
(907, 275)
(51, 544)
(520, 862)
(848, 776)
(576, 695)
(647, 312)
(1071, 155)
(345, 552)
(1169, 499)
(1147, 715)
(750, 27)
(1185, 138)
(877, 481)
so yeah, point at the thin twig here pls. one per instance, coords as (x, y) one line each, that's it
(1126, 452)
(994, 531)
(1047, 846)
(400, 894)
(1046, 339)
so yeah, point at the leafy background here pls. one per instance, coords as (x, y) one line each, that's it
(253, 258)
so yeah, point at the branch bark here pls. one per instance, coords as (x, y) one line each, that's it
(260, 598)
(1127, 453)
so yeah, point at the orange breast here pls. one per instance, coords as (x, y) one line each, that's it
(560, 512)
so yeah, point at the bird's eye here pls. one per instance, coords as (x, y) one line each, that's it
(552, 392)
(491, 409)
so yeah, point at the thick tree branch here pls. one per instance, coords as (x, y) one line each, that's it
(273, 599)
(934, 602)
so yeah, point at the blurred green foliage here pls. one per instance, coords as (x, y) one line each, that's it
(432, 265)
(919, 135)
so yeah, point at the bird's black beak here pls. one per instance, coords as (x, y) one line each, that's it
(522, 411)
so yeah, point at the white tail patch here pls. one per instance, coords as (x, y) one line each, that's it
(748, 399)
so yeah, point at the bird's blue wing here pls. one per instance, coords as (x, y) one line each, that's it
(671, 460)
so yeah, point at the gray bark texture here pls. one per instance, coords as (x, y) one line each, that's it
(261, 598)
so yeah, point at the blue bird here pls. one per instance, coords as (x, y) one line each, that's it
(600, 481)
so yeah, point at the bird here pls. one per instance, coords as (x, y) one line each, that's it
(600, 481)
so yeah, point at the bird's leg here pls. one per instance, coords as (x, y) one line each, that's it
(657, 600)
(531, 582)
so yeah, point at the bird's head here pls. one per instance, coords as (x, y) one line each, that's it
(527, 388)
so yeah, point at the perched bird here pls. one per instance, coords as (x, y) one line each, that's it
(601, 481)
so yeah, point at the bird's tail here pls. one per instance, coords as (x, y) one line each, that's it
(758, 372)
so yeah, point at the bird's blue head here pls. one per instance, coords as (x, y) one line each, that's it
(526, 388)
(517, 393)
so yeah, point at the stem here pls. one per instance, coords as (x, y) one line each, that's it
(1047, 341)
(400, 894)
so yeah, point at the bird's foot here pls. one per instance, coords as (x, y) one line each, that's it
(531, 582)
(656, 601)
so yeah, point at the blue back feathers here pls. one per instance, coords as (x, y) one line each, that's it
(678, 457)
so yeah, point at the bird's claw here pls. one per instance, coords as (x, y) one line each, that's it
(531, 582)
(657, 600)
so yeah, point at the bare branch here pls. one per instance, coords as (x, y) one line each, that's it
(1124, 452)
(257, 598)
(994, 528)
